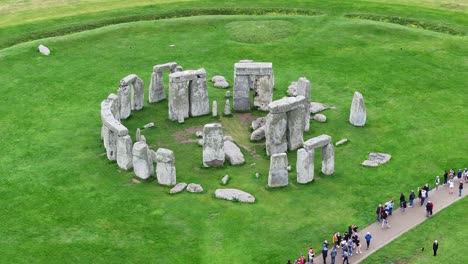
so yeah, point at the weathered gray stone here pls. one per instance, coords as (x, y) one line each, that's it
(218, 78)
(357, 115)
(225, 180)
(124, 152)
(317, 142)
(232, 153)
(137, 135)
(194, 188)
(214, 111)
(286, 104)
(295, 130)
(227, 108)
(201, 142)
(278, 175)
(221, 84)
(199, 102)
(241, 93)
(341, 142)
(178, 98)
(115, 106)
(178, 69)
(124, 101)
(156, 90)
(328, 159)
(171, 66)
(292, 89)
(258, 134)
(165, 167)
(320, 118)
(370, 163)
(234, 195)
(213, 145)
(142, 160)
(181, 118)
(303, 88)
(289, 168)
(259, 122)
(113, 128)
(136, 89)
(275, 133)
(246, 61)
(178, 188)
(135, 181)
(142, 139)
(375, 159)
(305, 166)
(228, 94)
(228, 138)
(263, 91)
(257, 175)
(149, 125)
(199, 134)
(44, 50)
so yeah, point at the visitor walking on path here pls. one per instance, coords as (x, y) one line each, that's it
(345, 256)
(435, 247)
(384, 219)
(465, 175)
(311, 255)
(358, 246)
(333, 254)
(368, 238)
(411, 198)
(459, 174)
(450, 182)
(445, 177)
(437, 182)
(423, 196)
(460, 188)
(419, 194)
(429, 207)
(325, 251)
(379, 212)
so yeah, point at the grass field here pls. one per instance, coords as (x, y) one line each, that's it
(62, 201)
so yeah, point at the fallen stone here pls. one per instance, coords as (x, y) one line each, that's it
(149, 125)
(200, 142)
(222, 84)
(259, 122)
(44, 50)
(246, 61)
(218, 78)
(258, 134)
(178, 188)
(227, 138)
(357, 115)
(199, 134)
(233, 153)
(234, 195)
(316, 107)
(135, 181)
(194, 188)
(375, 159)
(341, 142)
(225, 179)
(257, 174)
(370, 163)
(320, 118)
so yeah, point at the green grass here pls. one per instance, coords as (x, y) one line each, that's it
(62, 200)
(445, 227)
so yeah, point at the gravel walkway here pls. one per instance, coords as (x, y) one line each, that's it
(399, 223)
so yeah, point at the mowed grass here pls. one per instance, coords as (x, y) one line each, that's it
(446, 227)
(62, 200)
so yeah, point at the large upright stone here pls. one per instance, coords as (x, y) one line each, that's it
(303, 88)
(275, 133)
(124, 101)
(263, 91)
(278, 175)
(199, 102)
(241, 93)
(227, 108)
(112, 128)
(115, 107)
(165, 167)
(142, 160)
(357, 115)
(295, 130)
(213, 146)
(156, 91)
(305, 166)
(328, 159)
(178, 98)
(214, 111)
(136, 89)
(124, 152)
(253, 75)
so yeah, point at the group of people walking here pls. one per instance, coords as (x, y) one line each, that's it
(449, 178)
(349, 243)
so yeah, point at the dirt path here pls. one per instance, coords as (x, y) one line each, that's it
(399, 223)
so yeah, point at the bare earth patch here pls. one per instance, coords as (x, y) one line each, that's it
(186, 135)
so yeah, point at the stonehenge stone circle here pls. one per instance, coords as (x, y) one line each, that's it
(328, 152)
(305, 165)
(156, 88)
(234, 194)
(142, 160)
(213, 145)
(165, 167)
(284, 126)
(188, 94)
(278, 175)
(137, 93)
(303, 88)
(357, 115)
(124, 152)
(257, 76)
(232, 153)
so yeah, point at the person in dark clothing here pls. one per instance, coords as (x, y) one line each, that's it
(379, 212)
(460, 188)
(411, 198)
(355, 228)
(445, 177)
(333, 254)
(368, 238)
(325, 251)
(459, 174)
(345, 256)
(435, 247)
(402, 198)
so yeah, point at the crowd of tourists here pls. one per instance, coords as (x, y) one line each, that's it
(349, 243)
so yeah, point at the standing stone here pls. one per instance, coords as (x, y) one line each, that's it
(165, 167)
(178, 97)
(215, 109)
(199, 102)
(124, 101)
(137, 135)
(227, 108)
(303, 88)
(295, 129)
(213, 145)
(225, 180)
(241, 93)
(275, 133)
(115, 108)
(263, 91)
(142, 161)
(228, 94)
(124, 152)
(328, 159)
(156, 91)
(357, 115)
(278, 175)
(257, 76)
(138, 99)
(111, 140)
(305, 166)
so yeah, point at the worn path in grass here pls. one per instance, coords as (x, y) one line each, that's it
(399, 223)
